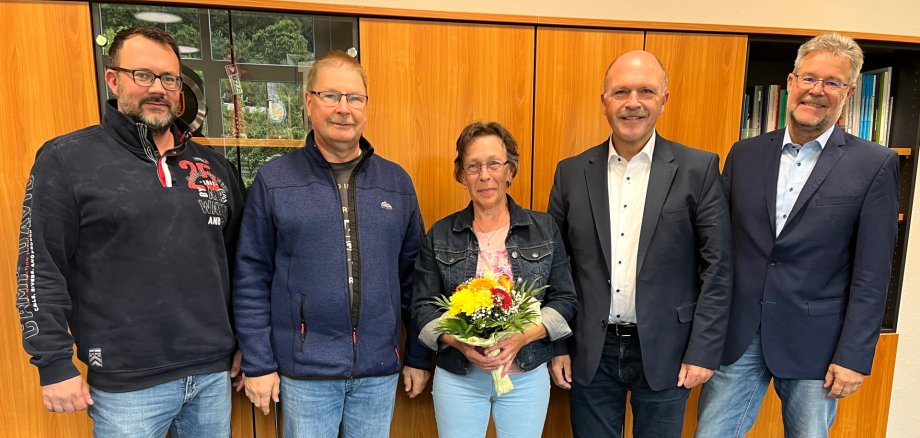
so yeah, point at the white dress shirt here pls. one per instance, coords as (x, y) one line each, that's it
(795, 165)
(627, 184)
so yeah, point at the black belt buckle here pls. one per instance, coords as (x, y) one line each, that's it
(623, 330)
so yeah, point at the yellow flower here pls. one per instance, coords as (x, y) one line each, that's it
(468, 300)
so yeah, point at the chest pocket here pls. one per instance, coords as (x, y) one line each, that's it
(452, 265)
(536, 261)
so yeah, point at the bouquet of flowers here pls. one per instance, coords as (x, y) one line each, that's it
(484, 310)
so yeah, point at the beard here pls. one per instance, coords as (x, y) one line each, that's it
(158, 123)
(812, 127)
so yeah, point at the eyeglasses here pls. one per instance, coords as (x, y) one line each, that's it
(808, 82)
(145, 78)
(475, 168)
(332, 98)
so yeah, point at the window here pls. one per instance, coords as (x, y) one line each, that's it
(272, 53)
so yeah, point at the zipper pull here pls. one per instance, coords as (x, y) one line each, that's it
(354, 338)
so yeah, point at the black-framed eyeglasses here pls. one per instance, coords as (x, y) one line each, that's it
(145, 78)
(806, 82)
(475, 168)
(332, 98)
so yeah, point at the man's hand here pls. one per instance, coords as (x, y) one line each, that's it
(415, 380)
(692, 375)
(841, 381)
(263, 390)
(70, 395)
(237, 378)
(561, 371)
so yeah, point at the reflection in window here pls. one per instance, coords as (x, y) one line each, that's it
(272, 53)
(261, 38)
(181, 23)
(268, 110)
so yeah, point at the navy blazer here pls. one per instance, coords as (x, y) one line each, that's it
(683, 273)
(818, 289)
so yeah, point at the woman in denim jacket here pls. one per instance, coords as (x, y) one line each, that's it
(492, 234)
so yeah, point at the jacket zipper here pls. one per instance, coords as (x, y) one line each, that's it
(303, 323)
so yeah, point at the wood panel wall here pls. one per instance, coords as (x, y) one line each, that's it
(47, 88)
(706, 82)
(428, 80)
(569, 117)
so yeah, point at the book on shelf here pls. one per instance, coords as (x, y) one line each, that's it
(868, 111)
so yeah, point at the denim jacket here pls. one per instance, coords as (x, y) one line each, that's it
(448, 257)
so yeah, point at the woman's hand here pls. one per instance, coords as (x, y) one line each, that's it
(509, 347)
(473, 354)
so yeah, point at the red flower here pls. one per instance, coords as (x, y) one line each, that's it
(501, 298)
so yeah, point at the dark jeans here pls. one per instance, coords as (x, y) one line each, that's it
(599, 409)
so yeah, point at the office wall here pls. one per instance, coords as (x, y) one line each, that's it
(896, 17)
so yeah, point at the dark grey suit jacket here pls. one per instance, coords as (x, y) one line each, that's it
(683, 277)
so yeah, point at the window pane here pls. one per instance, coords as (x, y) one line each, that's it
(251, 159)
(267, 109)
(262, 38)
(181, 23)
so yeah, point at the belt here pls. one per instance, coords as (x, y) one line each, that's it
(623, 329)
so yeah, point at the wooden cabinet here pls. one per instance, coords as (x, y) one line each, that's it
(428, 80)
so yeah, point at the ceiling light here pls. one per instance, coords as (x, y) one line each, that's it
(157, 17)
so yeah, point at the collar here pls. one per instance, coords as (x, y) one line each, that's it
(648, 150)
(519, 216)
(313, 152)
(136, 137)
(822, 139)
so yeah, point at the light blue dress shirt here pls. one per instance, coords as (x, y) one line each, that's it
(795, 166)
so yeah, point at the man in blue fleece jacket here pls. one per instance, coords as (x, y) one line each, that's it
(324, 271)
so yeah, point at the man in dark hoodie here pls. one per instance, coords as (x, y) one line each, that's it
(126, 241)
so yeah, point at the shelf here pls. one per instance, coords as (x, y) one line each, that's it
(250, 142)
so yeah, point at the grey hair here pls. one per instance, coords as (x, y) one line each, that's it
(836, 44)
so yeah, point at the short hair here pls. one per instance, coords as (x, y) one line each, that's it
(149, 32)
(335, 58)
(482, 129)
(835, 44)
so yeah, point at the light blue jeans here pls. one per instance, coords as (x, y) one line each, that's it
(358, 408)
(730, 401)
(194, 406)
(462, 404)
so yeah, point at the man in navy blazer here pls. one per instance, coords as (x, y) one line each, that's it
(814, 215)
(645, 221)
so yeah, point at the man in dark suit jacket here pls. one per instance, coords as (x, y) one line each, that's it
(812, 251)
(646, 224)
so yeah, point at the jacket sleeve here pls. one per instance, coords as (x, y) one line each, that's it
(252, 280)
(876, 235)
(416, 355)
(713, 235)
(49, 232)
(560, 295)
(557, 209)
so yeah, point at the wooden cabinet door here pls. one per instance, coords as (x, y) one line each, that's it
(706, 83)
(569, 116)
(428, 80)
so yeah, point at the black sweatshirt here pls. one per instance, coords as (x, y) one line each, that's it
(131, 252)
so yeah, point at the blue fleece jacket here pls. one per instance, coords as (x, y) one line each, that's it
(291, 298)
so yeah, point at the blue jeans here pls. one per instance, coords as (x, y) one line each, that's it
(358, 408)
(462, 404)
(730, 401)
(599, 409)
(194, 406)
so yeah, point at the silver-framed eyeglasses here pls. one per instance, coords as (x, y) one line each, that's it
(332, 98)
(145, 78)
(806, 82)
(475, 168)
